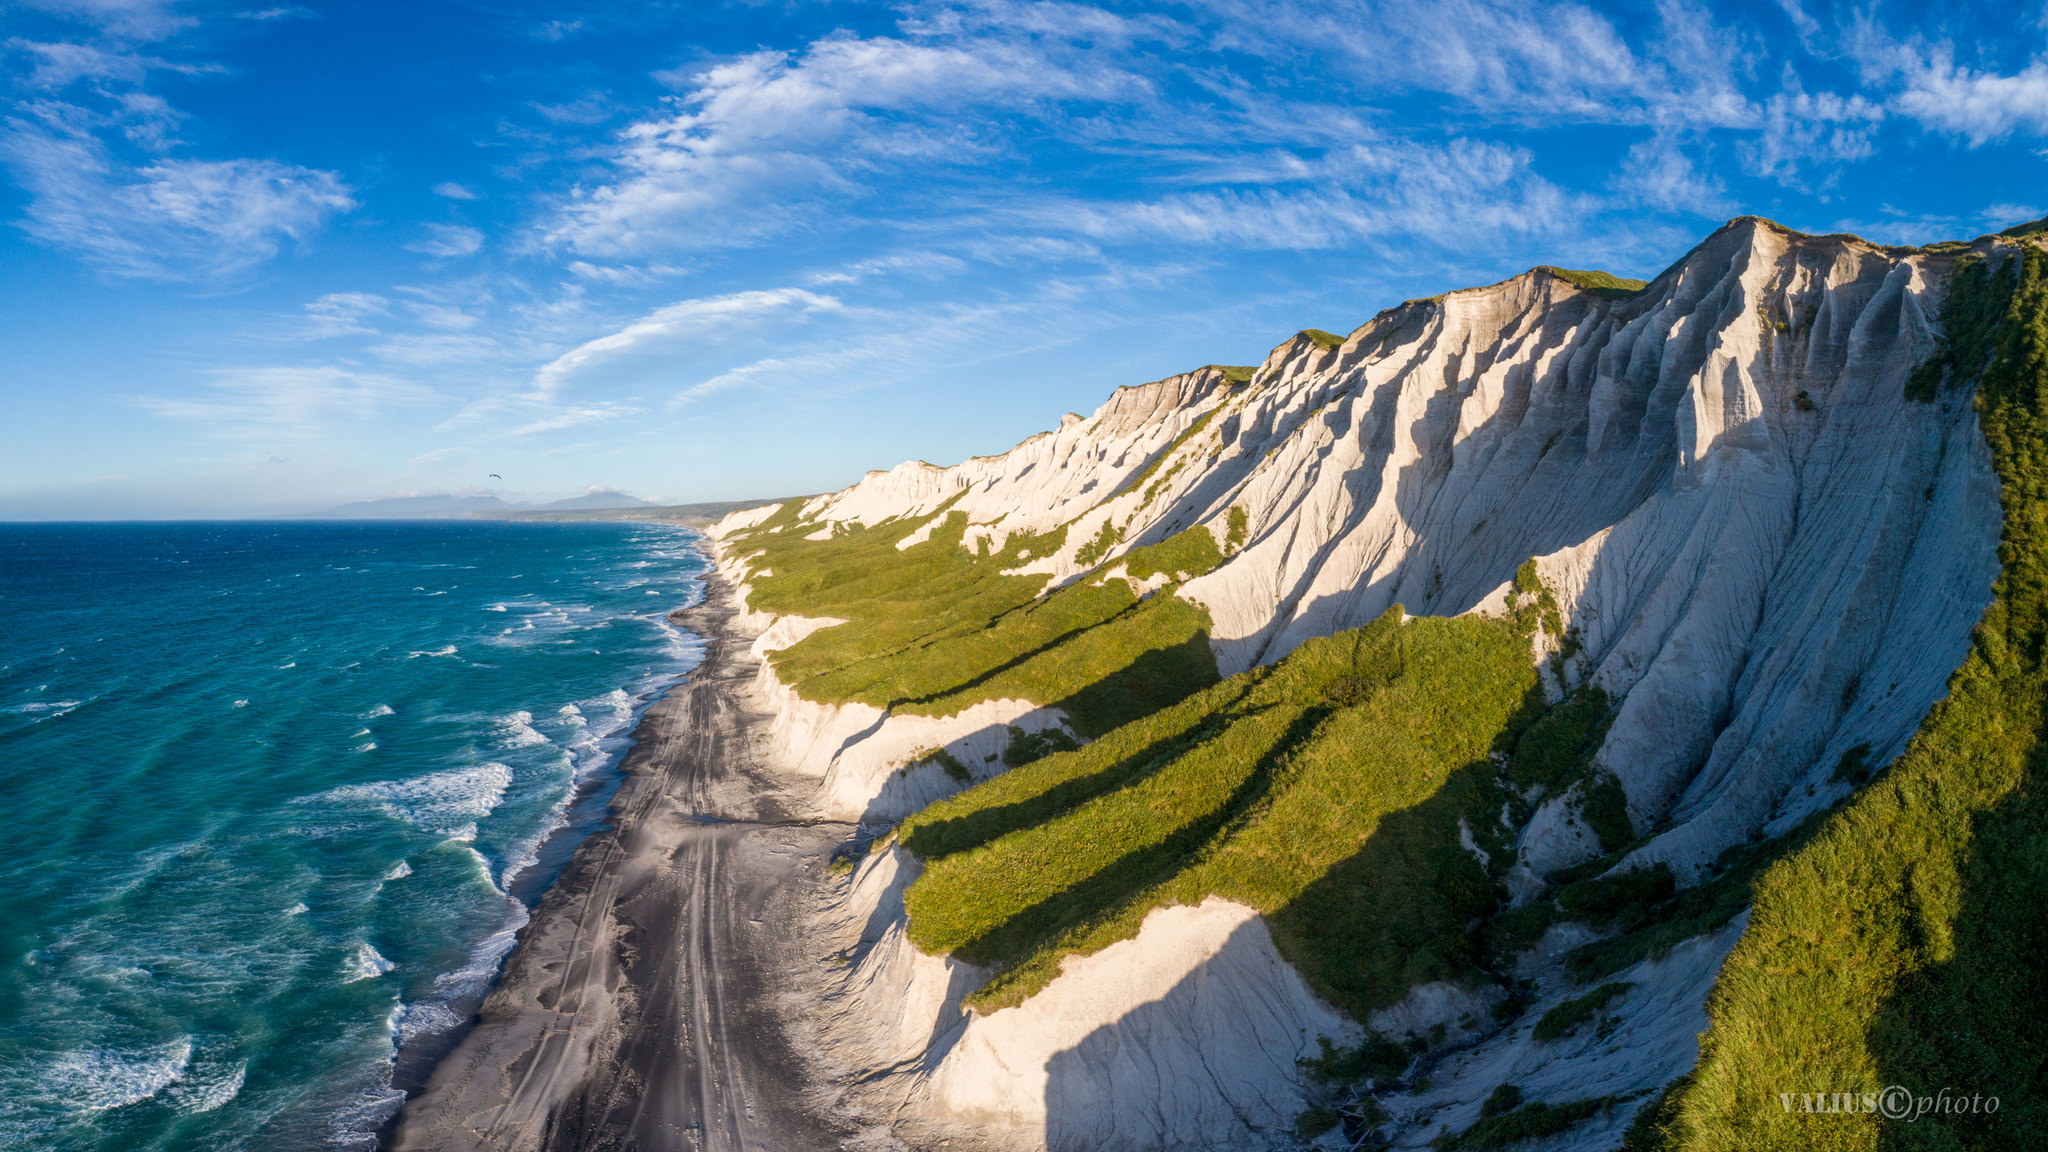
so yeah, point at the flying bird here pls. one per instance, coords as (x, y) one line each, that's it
(495, 476)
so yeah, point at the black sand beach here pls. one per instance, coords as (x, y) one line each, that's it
(638, 1010)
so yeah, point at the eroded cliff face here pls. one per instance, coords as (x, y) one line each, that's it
(1761, 550)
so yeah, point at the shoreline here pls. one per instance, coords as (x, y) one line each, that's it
(587, 813)
(638, 1004)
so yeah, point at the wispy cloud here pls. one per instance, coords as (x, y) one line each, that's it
(447, 241)
(343, 314)
(137, 19)
(288, 401)
(664, 326)
(763, 136)
(1804, 130)
(171, 219)
(577, 416)
(1659, 174)
(1976, 105)
(1462, 191)
(1523, 60)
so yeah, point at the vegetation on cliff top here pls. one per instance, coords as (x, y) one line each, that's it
(1604, 284)
(934, 628)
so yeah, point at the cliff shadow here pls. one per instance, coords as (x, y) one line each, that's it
(1977, 1022)
(1034, 932)
(1213, 1063)
(944, 838)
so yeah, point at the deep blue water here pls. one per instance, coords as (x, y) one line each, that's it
(273, 794)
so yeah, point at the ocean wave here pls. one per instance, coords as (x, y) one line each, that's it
(43, 708)
(399, 871)
(447, 650)
(365, 963)
(456, 994)
(517, 731)
(379, 710)
(98, 1079)
(446, 802)
(355, 1125)
(207, 1089)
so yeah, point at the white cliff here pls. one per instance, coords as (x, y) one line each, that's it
(1765, 554)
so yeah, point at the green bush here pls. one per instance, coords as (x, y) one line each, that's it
(1370, 1059)
(1529, 1122)
(1028, 746)
(1094, 550)
(946, 761)
(1560, 1020)
(1239, 525)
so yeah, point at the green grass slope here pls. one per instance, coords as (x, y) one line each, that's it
(1328, 791)
(1904, 942)
(933, 628)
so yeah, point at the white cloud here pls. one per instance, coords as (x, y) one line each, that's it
(1460, 193)
(578, 416)
(632, 275)
(1659, 174)
(421, 349)
(343, 314)
(443, 317)
(288, 401)
(928, 265)
(763, 134)
(1802, 128)
(590, 108)
(446, 241)
(2007, 215)
(707, 317)
(138, 19)
(1981, 106)
(58, 65)
(1522, 60)
(172, 219)
(453, 191)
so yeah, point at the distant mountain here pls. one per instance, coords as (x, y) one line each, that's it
(437, 505)
(445, 505)
(597, 498)
(694, 514)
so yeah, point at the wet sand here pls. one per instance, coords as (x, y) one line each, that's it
(641, 1007)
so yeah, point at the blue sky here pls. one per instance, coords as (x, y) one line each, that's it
(271, 259)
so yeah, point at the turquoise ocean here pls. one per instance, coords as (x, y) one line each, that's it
(278, 795)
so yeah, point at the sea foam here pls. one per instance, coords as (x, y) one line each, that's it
(365, 963)
(97, 1079)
